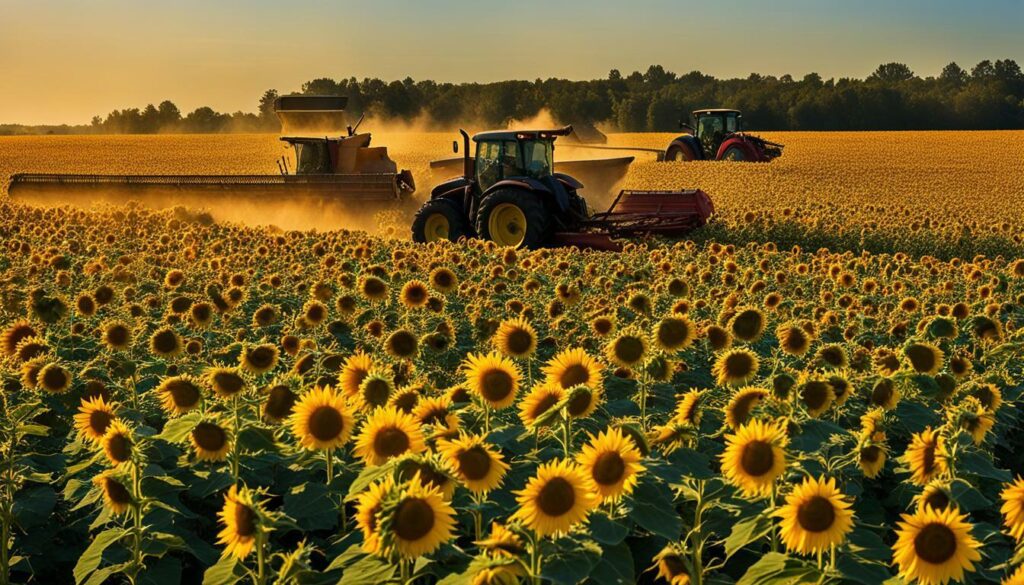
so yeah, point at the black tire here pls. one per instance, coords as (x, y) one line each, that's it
(678, 151)
(451, 211)
(538, 220)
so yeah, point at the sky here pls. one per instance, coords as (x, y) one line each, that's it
(64, 61)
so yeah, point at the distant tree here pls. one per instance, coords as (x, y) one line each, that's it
(891, 73)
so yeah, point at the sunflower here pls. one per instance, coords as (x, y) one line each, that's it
(672, 567)
(872, 453)
(356, 367)
(321, 419)
(688, 408)
(674, 333)
(93, 418)
(627, 349)
(402, 344)
(116, 335)
(386, 433)
(210, 440)
(935, 495)
(735, 367)
(754, 457)
(935, 546)
(374, 391)
(417, 522)
(494, 378)
(414, 294)
(226, 382)
(572, 367)
(280, 402)
(165, 342)
(925, 358)
(115, 491)
(815, 517)
(538, 401)
(179, 394)
(479, 466)
(259, 359)
(612, 462)
(515, 338)
(926, 456)
(502, 543)
(242, 519)
(117, 442)
(555, 499)
(742, 404)
(1013, 508)
(54, 378)
(14, 334)
(368, 503)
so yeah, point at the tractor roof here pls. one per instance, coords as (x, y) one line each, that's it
(522, 134)
(715, 111)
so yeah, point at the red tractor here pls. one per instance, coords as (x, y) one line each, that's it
(718, 135)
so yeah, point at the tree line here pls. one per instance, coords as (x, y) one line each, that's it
(988, 96)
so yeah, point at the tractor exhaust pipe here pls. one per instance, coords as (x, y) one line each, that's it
(467, 163)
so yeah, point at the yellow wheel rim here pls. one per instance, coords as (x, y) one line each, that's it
(507, 225)
(436, 228)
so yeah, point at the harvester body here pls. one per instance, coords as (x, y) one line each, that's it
(717, 134)
(509, 193)
(330, 172)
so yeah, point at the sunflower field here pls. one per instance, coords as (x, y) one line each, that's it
(195, 402)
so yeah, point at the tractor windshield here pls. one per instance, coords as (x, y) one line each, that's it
(312, 158)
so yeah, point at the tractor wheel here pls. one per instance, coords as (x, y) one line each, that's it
(439, 219)
(513, 217)
(678, 151)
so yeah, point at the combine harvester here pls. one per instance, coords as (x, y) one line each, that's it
(340, 176)
(510, 193)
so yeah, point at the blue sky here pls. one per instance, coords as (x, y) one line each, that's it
(64, 61)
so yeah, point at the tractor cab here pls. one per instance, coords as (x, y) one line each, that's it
(712, 127)
(506, 154)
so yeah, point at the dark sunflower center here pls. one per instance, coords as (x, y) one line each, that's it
(815, 395)
(935, 543)
(519, 341)
(261, 357)
(609, 468)
(816, 514)
(758, 458)
(165, 341)
(209, 436)
(99, 420)
(579, 402)
(542, 406)
(414, 519)
(376, 392)
(474, 463)
(119, 447)
(497, 385)
(672, 333)
(245, 520)
(937, 499)
(280, 402)
(117, 335)
(326, 423)
(870, 454)
(557, 497)
(228, 383)
(184, 394)
(574, 375)
(390, 442)
(629, 349)
(116, 491)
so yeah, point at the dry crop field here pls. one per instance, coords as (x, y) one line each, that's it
(222, 403)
